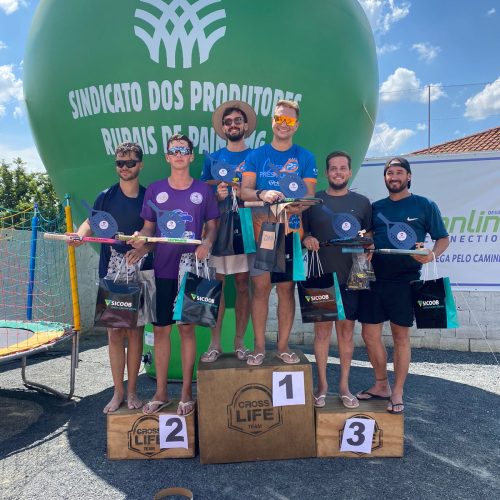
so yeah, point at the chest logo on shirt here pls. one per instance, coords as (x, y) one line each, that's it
(292, 165)
(162, 197)
(196, 198)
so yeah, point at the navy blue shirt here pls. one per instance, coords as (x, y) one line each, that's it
(126, 212)
(423, 217)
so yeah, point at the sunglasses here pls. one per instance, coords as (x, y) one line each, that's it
(290, 121)
(126, 163)
(182, 150)
(229, 121)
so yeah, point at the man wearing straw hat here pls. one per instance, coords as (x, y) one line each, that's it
(232, 121)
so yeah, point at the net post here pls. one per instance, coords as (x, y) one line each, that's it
(32, 264)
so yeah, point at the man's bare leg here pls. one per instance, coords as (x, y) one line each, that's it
(215, 339)
(261, 288)
(345, 332)
(377, 354)
(322, 335)
(134, 355)
(188, 354)
(402, 357)
(116, 351)
(241, 307)
(286, 314)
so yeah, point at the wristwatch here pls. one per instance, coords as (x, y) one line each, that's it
(257, 193)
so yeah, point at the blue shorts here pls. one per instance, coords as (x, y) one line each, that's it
(166, 292)
(386, 300)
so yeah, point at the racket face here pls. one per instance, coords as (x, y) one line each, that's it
(222, 171)
(171, 224)
(292, 186)
(102, 223)
(346, 225)
(401, 235)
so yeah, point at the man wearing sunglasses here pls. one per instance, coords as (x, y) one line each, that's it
(195, 200)
(124, 202)
(260, 182)
(232, 121)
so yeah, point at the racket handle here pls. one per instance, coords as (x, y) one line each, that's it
(254, 204)
(55, 236)
(353, 250)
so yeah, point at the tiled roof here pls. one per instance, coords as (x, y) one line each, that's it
(489, 140)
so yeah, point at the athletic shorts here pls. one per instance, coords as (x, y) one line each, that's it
(350, 298)
(166, 292)
(229, 264)
(386, 300)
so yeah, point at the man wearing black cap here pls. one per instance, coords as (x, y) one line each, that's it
(398, 221)
(233, 121)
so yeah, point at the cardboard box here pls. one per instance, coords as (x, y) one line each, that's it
(133, 435)
(237, 421)
(388, 436)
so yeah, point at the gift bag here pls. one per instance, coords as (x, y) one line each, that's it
(247, 233)
(198, 299)
(433, 302)
(147, 303)
(361, 273)
(319, 296)
(270, 254)
(229, 235)
(117, 304)
(294, 261)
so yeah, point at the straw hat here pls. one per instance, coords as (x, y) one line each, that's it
(246, 108)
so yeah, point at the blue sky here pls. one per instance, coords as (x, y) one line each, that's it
(451, 45)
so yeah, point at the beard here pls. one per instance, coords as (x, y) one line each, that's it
(396, 189)
(338, 187)
(235, 137)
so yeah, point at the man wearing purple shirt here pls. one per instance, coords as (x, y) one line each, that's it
(195, 202)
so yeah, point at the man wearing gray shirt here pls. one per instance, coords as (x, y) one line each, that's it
(342, 214)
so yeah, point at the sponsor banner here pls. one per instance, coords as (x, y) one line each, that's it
(465, 187)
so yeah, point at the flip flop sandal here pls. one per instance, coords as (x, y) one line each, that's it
(183, 405)
(372, 396)
(159, 406)
(320, 400)
(349, 402)
(242, 354)
(290, 358)
(210, 356)
(396, 404)
(255, 359)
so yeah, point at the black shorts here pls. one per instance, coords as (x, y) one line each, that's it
(350, 298)
(166, 291)
(386, 300)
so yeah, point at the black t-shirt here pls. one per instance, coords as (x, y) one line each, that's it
(318, 222)
(126, 212)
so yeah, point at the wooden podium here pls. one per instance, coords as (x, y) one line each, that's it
(237, 421)
(134, 435)
(388, 436)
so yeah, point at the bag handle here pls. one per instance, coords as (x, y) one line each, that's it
(205, 271)
(434, 268)
(310, 267)
(120, 267)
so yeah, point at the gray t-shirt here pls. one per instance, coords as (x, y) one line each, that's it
(318, 222)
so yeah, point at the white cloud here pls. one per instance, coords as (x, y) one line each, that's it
(421, 126)
(2, 45)
(382, 14)
(387, 48)
(484, 103)
(11, 88)
(18, 112)
(10, 6)
(491, 12)
(2, 110)
(387, 140)
(426, 52)
(404, 84)
(28, 154)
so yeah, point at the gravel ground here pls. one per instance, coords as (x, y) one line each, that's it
(57, 449)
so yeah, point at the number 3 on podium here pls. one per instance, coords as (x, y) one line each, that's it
(358, 435)
(288, 388)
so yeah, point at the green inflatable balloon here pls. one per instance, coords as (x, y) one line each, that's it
(97, 73)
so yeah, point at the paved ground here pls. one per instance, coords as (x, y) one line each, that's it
(56, 449)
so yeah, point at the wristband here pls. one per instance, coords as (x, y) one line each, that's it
(257, 193)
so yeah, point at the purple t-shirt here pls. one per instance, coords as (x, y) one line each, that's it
(196, 204)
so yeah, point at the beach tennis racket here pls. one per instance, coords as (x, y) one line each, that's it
(387, 251)
(221, 171)
(401, 235)
(357, 241)
(306, 202)
(102, 223)
(170, 224)
(344, 224)
(292, 186)
(158, 239)
(75, 237)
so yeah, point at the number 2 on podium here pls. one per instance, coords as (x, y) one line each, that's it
(173, 432)
(288, 388)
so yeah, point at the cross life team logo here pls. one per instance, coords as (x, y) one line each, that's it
(178, 22)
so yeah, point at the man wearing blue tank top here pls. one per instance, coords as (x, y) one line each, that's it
(398, 221)
(260, 182)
